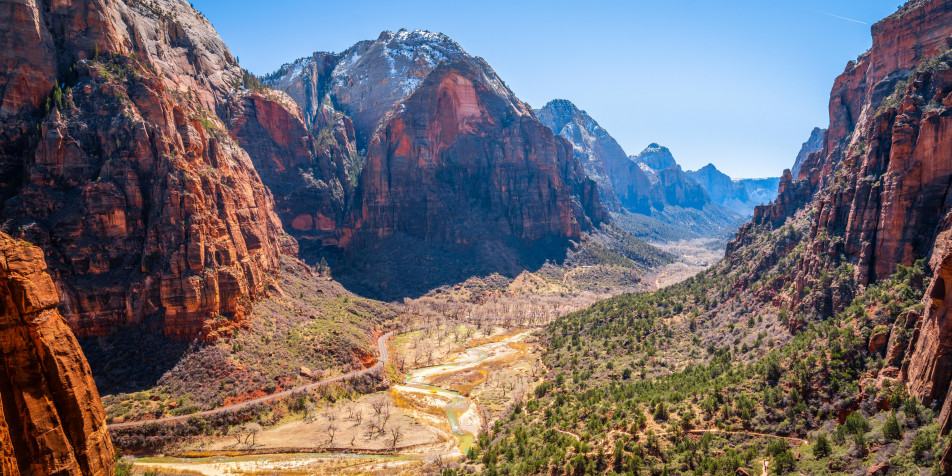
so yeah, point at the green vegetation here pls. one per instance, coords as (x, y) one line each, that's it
(633, 389)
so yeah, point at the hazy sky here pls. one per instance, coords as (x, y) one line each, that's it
(736, 83)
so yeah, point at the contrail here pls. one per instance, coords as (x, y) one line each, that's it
(841, 18)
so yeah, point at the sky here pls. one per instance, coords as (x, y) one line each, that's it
(739, 84)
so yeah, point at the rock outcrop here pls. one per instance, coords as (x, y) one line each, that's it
(312, 178)
(146, 208)
(51, 418)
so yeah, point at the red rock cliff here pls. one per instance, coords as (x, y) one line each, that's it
(309, 176)
(878, 194)
(51, 419)
(144, 204)
(462, 141)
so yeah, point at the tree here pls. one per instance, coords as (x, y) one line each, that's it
(891, 429)
(822, 449)
(395, 435)
(252, 430)
(310, 411)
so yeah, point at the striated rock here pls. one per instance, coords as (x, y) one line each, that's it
(147, 210)
(463, 141)
(311, 178)
(51, 418)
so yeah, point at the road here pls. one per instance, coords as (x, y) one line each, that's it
(384, 358)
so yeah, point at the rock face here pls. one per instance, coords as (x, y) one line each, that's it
(146, 208)
(463, 141)
(367, 79)
(621, 183)
(670, 185)
(51, 418)
(812, 145)
(741, 195)
(312, 178)
(877, 194)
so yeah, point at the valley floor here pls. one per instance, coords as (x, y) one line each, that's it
(474, 357)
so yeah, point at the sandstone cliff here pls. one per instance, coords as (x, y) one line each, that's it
(116, 163)
(51, 418)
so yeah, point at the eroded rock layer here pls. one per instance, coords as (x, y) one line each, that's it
(463, 142)
(51, 418)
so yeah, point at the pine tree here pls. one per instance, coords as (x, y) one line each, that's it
(892, 430)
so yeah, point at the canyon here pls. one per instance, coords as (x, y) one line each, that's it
(261, 234)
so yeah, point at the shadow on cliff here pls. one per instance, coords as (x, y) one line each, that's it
(404, 267)
(132, 358)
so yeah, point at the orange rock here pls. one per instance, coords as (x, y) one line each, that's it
(51, 418)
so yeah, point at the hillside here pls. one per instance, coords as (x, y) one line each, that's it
(814, 347)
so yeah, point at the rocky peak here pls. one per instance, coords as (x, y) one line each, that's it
(655, 157)
(604, 160)
(368, 79)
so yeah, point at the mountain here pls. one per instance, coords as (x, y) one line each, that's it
(368, 79)
(115, 161)
(426, 150)
(619, 180)
(649, 195)
(670, 185)
(813, 144)
(739, 195)
(51, 418)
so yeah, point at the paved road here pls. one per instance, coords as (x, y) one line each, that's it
(384, 358)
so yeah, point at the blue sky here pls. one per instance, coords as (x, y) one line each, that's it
(739, 84)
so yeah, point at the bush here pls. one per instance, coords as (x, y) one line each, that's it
(822, 448)
(892, 430)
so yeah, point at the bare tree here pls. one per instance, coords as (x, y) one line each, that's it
(252, 430)
(395, 435)
(237, 432)
(331, 430)
(378, 402)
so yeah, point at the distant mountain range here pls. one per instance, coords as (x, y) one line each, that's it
(652, 185)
